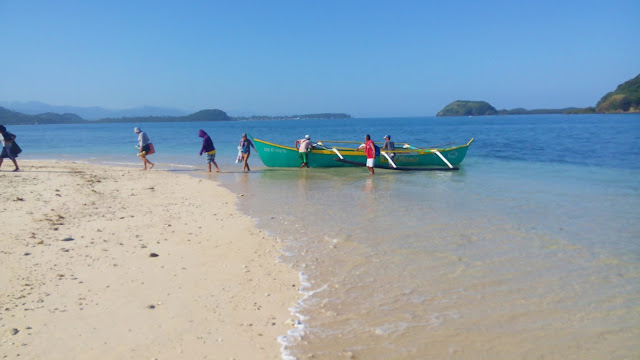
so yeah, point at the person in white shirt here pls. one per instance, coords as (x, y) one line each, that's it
(304, 147)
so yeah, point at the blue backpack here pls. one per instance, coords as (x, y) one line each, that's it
(377, 149)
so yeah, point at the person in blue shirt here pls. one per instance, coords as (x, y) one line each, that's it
(245, 148)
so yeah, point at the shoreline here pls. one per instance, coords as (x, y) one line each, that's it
(80, 279)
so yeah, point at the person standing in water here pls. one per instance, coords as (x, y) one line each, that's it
(10, 149)
(389, 147)
(370, 151)
(304, 147)
(144, 146)
(245, 148)
(209, 148)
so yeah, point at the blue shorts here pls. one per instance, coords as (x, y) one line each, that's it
(211, 157)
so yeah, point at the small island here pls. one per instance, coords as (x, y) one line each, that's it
(468, 108)
(625, 99)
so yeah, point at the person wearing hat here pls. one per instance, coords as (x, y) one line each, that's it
(389, 147)
(304, 147)
(245, 149)
(144, 145)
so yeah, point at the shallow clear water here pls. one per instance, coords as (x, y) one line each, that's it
(430, 265)
(531, 250)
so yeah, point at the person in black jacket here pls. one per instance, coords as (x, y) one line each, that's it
(10, 149)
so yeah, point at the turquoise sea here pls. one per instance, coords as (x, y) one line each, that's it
(530, 251)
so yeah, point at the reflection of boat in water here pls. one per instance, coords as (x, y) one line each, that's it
(335, 154)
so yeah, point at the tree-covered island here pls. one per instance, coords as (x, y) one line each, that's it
(625, 99)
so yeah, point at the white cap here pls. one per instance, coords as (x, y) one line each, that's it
(307, 137)
(136, 129)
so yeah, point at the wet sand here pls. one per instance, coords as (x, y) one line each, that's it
(103, 263)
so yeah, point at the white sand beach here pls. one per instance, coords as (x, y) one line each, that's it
(80, 279)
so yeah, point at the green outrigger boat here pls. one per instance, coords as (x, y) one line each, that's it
(337, 154)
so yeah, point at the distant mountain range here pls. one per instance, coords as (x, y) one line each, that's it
(88, 113)
(10, 117)
(625, 99)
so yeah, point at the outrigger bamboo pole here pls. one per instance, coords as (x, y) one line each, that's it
(388, 158)
(443, 159)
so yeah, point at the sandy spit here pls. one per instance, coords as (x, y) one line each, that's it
(116, 263)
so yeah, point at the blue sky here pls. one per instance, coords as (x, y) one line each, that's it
(366, 58)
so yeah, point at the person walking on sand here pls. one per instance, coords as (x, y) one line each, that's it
(245, 148)
(10, 149)
(207, 147)
(144, 145)
(304, 147)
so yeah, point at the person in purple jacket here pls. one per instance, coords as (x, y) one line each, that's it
(207, 147)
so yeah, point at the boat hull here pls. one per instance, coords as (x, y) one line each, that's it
(274, 155)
